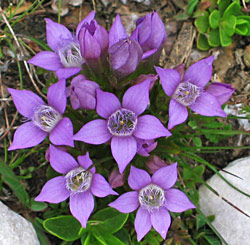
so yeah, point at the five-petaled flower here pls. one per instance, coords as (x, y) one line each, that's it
(155, 197)
(190, 91)
(77, 183)
(123, 123)
(42, 119)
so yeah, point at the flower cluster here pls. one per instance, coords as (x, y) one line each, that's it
(114, 59)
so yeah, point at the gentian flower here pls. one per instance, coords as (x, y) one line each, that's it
(144, 147)
(155, 197)
(123, 123)
(77, 183)
(65, 59)
(190, 91)
(82, 93)
(154, 163)
(116, 179)
(42, 119)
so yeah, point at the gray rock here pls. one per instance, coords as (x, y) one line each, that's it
(232, 224)
(14, 229)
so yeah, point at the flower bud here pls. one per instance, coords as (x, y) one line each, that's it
(116, 179)
(144, 147)
(154, 163)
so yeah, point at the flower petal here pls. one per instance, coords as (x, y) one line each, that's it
(27, 135)
(81, 206)
(94, 132)
(87, 19)
(123, 150)
(100, 187)
(208, 105)
(62, 133)
(165, 177)
(117, 31)
(177, 201)
(138, 178)
(127, 202)
(150, 127)
(142, 223)
(169, 78)
(136, 98)
(57, 96)
(161, 221)
(200, 72)
(107, 103)
(25, 101)
(47, 60)
(86, 162)
(178, 113)
(61, 161)
(56, 33)
(64, 73)
(54, 191)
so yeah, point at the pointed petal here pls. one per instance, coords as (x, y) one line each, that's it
(127, 202)
(94, 132)
(165, 177)
(61, 161)
(54, 191)
(57, 96)
(123, 150)
(47, 60)
(178, 113)
(107, 103)
(148, 53)
(25, 101)
(200, 72)
(62, 133)
(208, 105)
(169, 78)
(27, 135)
(100, 187)
(136, 98)
(87, 19)
(150, 127)
(161, 221)
(138, 178)
(81, 206)
(117, 31)
(86, 162)
(64, 73)
(142, 223)
(177, 201)
(56, 33)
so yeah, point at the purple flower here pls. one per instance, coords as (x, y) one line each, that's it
(82, 93)
(144, 147)
(123, 123)
(116, 179)
(155, 197)
(78, 183)
(154, 163)
(189, 91)
(42, 119)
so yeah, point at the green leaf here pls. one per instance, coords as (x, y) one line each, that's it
(224, 38)
(8, 176)
(233, 9)
(200, 221)
(202, 42)
(214, 19)
(38, 206)
(89, 240)
(202, 23)
(199, 170)
(123, 235)
(214, 38)
(228, 25)
(112, 219)
(197, 141)
(243, 25)
(191, 6)
(66, 227)
(222, 5)
(106, 238)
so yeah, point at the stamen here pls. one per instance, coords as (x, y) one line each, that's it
(151, 197)
(46, 118)
(122, 123)
(187, 93)
(78, 180)
(70, 55)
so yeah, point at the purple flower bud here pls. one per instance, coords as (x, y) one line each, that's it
(221, 91)
(142, 78)
(144, 147)
(154, 163)
(93, 40)
(82, 93)
(116, 179)
(150, 32)
(125, 56)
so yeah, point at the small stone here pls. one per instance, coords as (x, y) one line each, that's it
(230, 222)
(15, 229)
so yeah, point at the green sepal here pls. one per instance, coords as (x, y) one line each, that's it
(214, 19)
(202, 22)
(202, 42)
